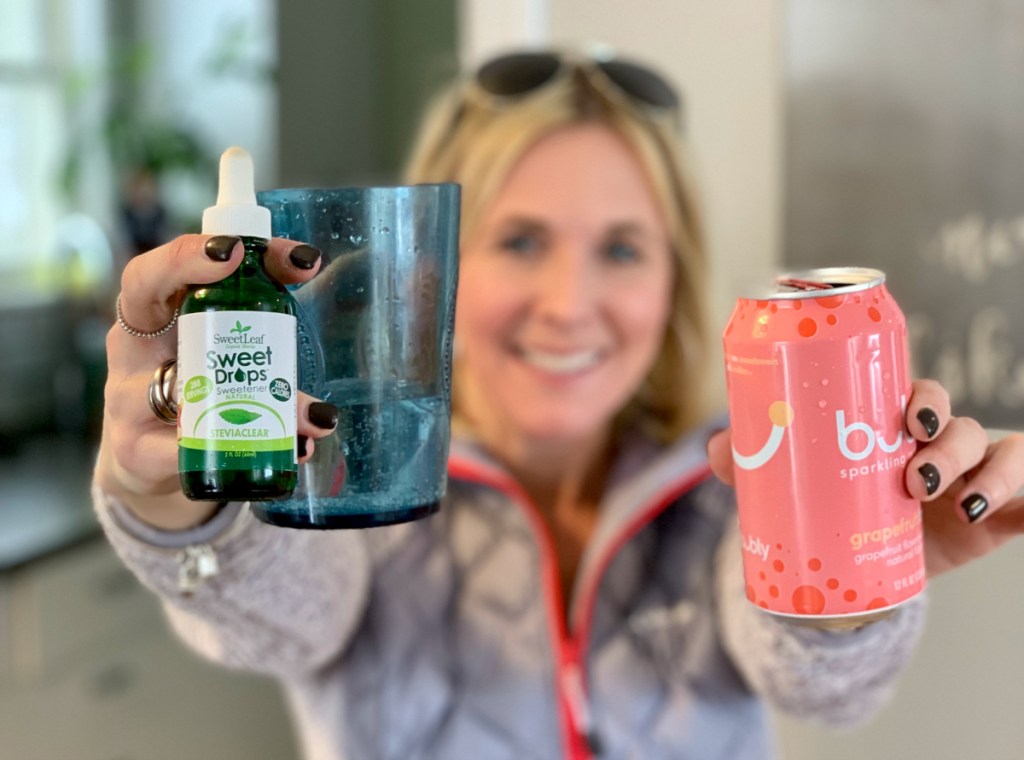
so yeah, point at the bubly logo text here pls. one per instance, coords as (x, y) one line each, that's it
(781, 415)
(859, 448)
(873, 437)
(757, 547)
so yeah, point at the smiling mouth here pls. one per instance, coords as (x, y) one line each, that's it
(562, 364)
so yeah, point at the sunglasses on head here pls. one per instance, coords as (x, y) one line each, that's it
(517, 75)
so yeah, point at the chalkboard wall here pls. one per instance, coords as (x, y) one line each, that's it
(905, 151)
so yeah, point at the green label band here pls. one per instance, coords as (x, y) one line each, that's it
(221, 444)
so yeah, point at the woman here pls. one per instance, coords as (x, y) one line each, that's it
(580, 468)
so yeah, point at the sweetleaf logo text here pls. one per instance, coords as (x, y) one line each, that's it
(240, 358)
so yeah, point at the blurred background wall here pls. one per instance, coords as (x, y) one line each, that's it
(822, 132)
(904, 151)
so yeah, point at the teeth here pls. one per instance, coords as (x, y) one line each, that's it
(562, 363)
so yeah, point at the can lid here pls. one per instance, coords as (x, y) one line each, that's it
(825, 281)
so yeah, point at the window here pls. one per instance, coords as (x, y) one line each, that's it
(40, 43)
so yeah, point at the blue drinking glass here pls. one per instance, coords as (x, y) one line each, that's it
(375, 339)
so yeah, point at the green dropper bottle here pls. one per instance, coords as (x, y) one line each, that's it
(237, 362)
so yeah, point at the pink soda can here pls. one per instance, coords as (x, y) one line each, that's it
(818, 380)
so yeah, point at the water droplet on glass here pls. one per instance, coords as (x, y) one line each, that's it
(385, 230)
(824, 381)
(335, 236)
(822, 404)
(806, 384)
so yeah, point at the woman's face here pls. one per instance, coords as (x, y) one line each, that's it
(564, 291)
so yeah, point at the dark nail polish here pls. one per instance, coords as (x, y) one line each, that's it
(219, 248)
(304, 256)
(930, 475)
(974, 506)
(929, 420)
(323, 415)
(303, 446)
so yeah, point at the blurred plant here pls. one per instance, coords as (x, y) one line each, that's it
(233, 55)
(144, 145)
(135, 142)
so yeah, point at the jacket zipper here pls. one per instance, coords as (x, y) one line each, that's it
(574, 707)
(581, 740)
(588, 593)
(571, 696)
(575, 691)
(656, 506)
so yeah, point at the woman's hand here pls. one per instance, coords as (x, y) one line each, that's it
(968, 485)
(138, 459)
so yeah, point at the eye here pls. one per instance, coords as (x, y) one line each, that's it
(622, 252)
(521, 243)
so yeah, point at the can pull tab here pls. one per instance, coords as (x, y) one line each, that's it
(797, 284)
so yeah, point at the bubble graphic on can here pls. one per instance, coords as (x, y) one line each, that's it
(818, 380)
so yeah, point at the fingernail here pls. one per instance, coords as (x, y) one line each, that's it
(304, 256)
(219, 248)
(974, 506)
(930, 475)
(929, 420)
(323, 415)
(303, 446)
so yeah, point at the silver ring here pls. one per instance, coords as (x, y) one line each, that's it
(136, 332)
(162, 390)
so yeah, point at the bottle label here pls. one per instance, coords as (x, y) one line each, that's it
(236, 381)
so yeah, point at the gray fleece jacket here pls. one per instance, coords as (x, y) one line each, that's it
(445, 638)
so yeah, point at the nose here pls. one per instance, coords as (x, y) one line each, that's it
(568, 290)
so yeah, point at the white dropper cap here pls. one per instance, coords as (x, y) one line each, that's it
(236, 212)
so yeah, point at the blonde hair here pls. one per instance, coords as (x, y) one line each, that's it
(476, 141)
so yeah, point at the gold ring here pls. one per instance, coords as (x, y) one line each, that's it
(162, 390)
(136, 332)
